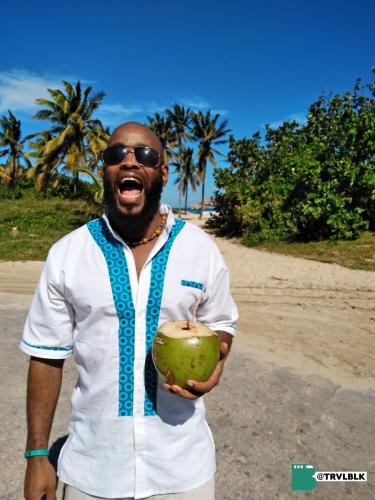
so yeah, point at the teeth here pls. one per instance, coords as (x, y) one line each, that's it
(132, 179)
(129, 183)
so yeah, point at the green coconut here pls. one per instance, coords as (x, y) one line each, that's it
(185, 350)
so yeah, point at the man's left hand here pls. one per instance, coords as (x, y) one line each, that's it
(197, 389)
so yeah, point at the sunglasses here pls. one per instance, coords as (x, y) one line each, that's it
(145, 156)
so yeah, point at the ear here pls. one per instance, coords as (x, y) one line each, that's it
(164, 173)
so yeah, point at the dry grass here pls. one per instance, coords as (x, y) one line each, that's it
(39, 223)
(356, 254)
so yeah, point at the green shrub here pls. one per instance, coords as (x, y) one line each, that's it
(304, 182)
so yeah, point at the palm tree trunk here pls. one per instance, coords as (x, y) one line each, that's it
(186, 197)
(75, 183)
(203, 182)
(12, 182)
(179, 201)
(45, 185)
(178, 144)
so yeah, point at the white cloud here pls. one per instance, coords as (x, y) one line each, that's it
(20, 88)
(113, 114)
(300, 118)
(195, 103)
(117, 109)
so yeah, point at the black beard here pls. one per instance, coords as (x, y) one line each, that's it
(133, 227)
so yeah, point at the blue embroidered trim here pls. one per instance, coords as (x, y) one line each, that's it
(70, 348)
(122, 295)
(159, 264)
(193, 284)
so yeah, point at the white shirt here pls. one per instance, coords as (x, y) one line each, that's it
(128, 436)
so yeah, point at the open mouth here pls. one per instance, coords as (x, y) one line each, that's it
(130, 190)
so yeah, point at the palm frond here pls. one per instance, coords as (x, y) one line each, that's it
(43, 114)
(76, 139)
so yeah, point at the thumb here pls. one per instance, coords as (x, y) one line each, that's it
(224, 349)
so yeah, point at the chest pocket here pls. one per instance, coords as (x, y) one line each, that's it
(193, 284)
(181, 300)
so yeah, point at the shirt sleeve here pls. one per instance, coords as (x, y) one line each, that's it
(218, 310)
(48, 331)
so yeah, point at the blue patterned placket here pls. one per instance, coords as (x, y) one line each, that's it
(113, 252)
(122, 296)
(159, 264)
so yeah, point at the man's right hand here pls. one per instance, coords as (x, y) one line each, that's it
(40, 479)
(43, 389)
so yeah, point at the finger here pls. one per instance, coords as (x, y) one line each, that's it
(209, 384)
(176, 389)
(168, 387)
(184, 393)
(195, 392)
(203, 387)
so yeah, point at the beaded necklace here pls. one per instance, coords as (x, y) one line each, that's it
(154, 235)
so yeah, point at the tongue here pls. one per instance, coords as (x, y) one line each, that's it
(132, 191)
(129, 195)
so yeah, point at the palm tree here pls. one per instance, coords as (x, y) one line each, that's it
(180, 119)
(207, 132)
(163, 128)
(10, 140)
(186, 171)
(43, 169)
(97, 141)
(70, 110)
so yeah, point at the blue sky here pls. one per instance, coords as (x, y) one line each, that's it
(252, 62)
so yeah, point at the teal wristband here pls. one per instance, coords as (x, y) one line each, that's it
(36, 453)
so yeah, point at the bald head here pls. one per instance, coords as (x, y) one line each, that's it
(136, 134)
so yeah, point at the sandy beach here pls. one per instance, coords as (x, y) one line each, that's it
(303, 364)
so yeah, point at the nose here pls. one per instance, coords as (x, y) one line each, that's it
(129, 161)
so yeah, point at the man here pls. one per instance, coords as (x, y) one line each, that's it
(103, 292)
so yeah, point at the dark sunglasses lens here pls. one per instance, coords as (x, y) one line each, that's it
(146, 156)
(113, 155)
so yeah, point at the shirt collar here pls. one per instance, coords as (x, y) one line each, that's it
(164, 209)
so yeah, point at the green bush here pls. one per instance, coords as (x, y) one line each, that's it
(24, 187)
(303, 182)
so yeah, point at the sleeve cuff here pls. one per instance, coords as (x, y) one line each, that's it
(45, 351)
(223, 327)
